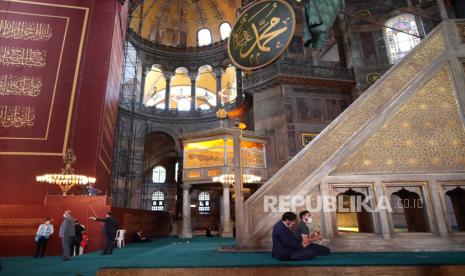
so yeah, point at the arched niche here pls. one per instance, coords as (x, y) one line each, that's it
(455, 206)
(409, 210)
(349, 218)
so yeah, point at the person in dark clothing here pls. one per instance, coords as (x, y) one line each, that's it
(139, 237)
(303, 233)
(79, 229)
(208, 232)
(109, 230)
(66, 234)
(287, 247)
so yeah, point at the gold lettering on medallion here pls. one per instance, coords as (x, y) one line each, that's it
(20, 85)
(22, 56)
(17, 116)
(25, 30)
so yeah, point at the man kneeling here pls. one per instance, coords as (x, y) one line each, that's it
(287, 247)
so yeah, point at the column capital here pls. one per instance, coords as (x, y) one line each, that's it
(225, 185)
(186, 186)
(168, 75)
(193, 76)
(219, 71)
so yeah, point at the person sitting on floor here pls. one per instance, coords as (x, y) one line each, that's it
(208, 232)
(303, 233)
(287, 247)
(140, 238)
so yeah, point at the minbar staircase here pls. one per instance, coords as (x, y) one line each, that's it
(368, 146)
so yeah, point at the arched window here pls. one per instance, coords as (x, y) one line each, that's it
(176, 171)
(204, 37)
(158, 201)
(159, 174)
(204, 203)
(184, 104)
(398, 44)
(225, 29)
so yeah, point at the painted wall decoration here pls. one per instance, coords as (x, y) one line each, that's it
(40, 53)
(261, 34)
(307, 138)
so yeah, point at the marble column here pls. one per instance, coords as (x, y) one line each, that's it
(241, 234)
(442, 9)
(239, 85)
(167, 90)
(186, 231)
(193, 77)
(227, 231)
(383, 214)
(218, 73)
(439, 214)
(329, 228)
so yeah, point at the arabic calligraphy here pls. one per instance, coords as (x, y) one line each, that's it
(22, 56)
(20, 86)
(17, 116)
(261, 34)
(266, 34)
(25, 30)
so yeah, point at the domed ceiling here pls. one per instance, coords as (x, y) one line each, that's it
(176, 22)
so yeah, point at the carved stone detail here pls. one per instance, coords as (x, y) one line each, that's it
(426, 135)
(349, 123)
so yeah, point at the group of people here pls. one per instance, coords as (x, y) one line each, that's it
(297, 243)
(73, 235)
(289, 242)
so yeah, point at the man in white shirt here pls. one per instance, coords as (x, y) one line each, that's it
(43, 234)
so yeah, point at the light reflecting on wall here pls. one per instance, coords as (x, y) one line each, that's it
(213, 152)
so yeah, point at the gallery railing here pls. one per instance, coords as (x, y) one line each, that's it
(296, 68)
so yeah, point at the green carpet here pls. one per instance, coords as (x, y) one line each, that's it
(202, 252)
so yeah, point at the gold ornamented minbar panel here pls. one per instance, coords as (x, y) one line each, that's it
(425, 135)
(351, 121)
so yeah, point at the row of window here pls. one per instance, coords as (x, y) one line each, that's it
(158, 202)
(204, 36)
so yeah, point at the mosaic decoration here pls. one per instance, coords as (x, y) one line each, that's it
(232, 4)
(182, 11)
(216, 10)
(426, 135)
(202, 20)
(163, 13)
(351, 121)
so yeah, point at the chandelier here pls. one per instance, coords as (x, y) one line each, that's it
(67, 178)
(229, 178)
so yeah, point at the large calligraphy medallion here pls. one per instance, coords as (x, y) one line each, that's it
(261, 34)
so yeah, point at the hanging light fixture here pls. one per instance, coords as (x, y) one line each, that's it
(67, 178)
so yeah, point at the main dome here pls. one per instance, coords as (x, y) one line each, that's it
(178, 22)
